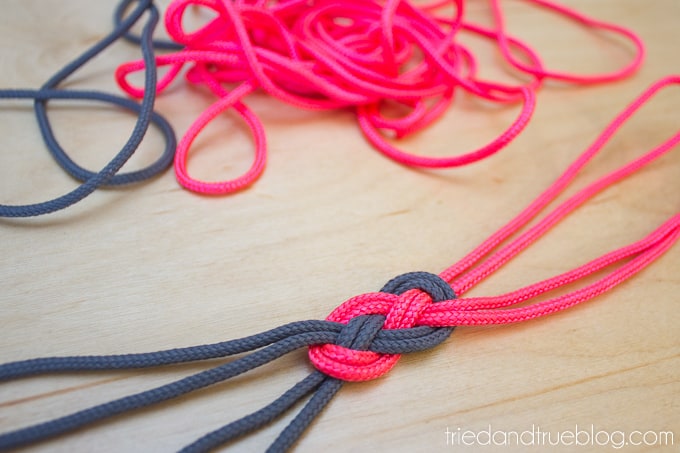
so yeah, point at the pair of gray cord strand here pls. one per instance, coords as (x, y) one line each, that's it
(360, 333)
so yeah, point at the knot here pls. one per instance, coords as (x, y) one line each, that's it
(398, 305)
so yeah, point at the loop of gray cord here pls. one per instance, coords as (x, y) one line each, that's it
(110, 174)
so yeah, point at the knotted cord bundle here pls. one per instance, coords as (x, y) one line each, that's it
(360, 54)
(363, 338)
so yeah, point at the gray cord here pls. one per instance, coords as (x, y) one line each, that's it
(360, 333)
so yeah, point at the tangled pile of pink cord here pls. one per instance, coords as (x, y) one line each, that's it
(359, 54)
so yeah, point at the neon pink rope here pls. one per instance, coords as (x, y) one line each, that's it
(415, 308)
(359, 54)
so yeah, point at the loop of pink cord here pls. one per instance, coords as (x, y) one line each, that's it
(361, 54)
(415, 308)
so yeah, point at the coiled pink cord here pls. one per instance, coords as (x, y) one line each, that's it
(361, 54)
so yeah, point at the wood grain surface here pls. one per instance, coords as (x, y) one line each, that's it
(153, 266)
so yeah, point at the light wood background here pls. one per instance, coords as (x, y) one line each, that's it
(153, 266)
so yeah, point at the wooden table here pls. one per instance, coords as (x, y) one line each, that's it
(153, 266)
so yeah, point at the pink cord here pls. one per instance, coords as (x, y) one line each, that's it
(415, 307)
(361, 54)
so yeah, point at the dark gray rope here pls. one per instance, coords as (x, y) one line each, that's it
(358, 335)
(327, 390)
(160, 44)
(258, 419)
(361, 333)
(386, 342)
(145, 116)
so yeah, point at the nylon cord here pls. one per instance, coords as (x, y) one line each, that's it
(363, 338)
(360, 333)
(344, 347)
(349, 54)
(108, 175)
(118, 18)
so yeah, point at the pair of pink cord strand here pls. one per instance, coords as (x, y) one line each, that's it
(332, 54)
(415, 308)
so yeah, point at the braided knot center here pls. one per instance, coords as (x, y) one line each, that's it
(398, 305)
